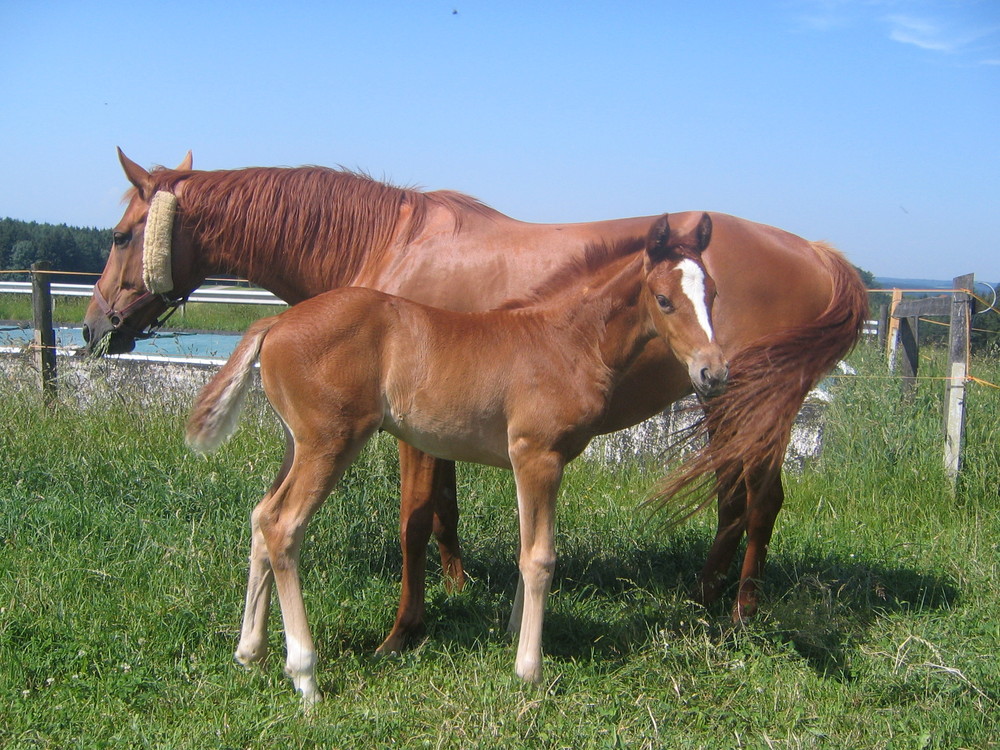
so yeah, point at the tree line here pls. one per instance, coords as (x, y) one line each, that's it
(66, 248)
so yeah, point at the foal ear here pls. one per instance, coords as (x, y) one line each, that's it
(136, 175)
(658, 241)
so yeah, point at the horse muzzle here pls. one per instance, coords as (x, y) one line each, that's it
(102, 337)
(114, 332)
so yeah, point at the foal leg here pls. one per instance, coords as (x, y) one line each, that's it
(253, 634)
(537, 476)
(427, 502)
(765, 499)
(282, 521)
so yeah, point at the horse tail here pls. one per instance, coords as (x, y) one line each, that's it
(219, 404)
(750, 423)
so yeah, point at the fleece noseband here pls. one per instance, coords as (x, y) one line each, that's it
(156, 274)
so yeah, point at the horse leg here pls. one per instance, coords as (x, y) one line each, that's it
(445, 494)
(537, 476)
(282, 522)
(765, 499)
(732, 502)
(253, 634)
(427, 502)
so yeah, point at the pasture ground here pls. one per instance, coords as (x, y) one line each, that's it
(123, 557)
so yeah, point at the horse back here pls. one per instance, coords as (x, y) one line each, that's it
(768, 280)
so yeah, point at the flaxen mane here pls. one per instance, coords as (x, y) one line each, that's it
(255, 213)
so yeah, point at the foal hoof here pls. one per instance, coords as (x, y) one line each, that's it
(247, 658)
(530, 673)
(310, 700)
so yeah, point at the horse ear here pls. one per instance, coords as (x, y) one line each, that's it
(658, 240)
(136, 175)
(185, 166)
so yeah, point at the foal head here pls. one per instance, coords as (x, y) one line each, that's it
(681, 297)
(139, 281)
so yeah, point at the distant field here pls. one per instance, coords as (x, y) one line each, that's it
(122, 564)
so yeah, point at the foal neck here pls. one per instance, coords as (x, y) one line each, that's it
(610, 311)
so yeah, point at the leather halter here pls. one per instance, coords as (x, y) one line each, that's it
(117, 318)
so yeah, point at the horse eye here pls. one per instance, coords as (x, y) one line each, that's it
(121, 238)
(664, 302)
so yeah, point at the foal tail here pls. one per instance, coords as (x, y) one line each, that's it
(218, 406)
(750, 423)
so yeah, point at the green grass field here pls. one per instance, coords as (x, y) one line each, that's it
(122, 564)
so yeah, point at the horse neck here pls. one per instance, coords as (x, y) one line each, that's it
(310, 240)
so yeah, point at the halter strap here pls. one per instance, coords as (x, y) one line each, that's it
(117, 317)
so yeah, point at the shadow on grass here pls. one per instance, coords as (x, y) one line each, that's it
(609, 601)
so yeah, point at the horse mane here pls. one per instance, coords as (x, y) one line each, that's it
(254, 216)
(596, 257)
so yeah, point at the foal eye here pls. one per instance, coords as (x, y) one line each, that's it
(664, 302)
(121, 238)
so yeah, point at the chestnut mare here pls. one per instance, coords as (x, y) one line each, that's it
(787, 311)
(522, 388)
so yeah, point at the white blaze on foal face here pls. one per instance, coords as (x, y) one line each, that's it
(693, 286)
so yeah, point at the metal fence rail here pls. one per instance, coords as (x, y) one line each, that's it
(230, 295)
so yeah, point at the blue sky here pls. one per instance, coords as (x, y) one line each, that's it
(872, 124)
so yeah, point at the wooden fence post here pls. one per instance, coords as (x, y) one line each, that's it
(958, 371)
(908, 330)
(892, 336)
(45, 337)
(883, 327)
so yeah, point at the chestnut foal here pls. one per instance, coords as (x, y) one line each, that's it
(524, 387)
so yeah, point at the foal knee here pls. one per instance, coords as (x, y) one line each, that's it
(537, 569)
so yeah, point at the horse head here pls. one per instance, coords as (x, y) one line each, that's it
(681, 297)
(142, 278)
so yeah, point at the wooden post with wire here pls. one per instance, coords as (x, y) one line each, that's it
(959, 310)
(45, 337)
(891, 338)
(958, 372)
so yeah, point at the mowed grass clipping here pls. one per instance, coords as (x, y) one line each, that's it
(123, 563)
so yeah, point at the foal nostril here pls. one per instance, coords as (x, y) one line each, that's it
(713, 381)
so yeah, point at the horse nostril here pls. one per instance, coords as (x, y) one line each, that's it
(86, 333)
